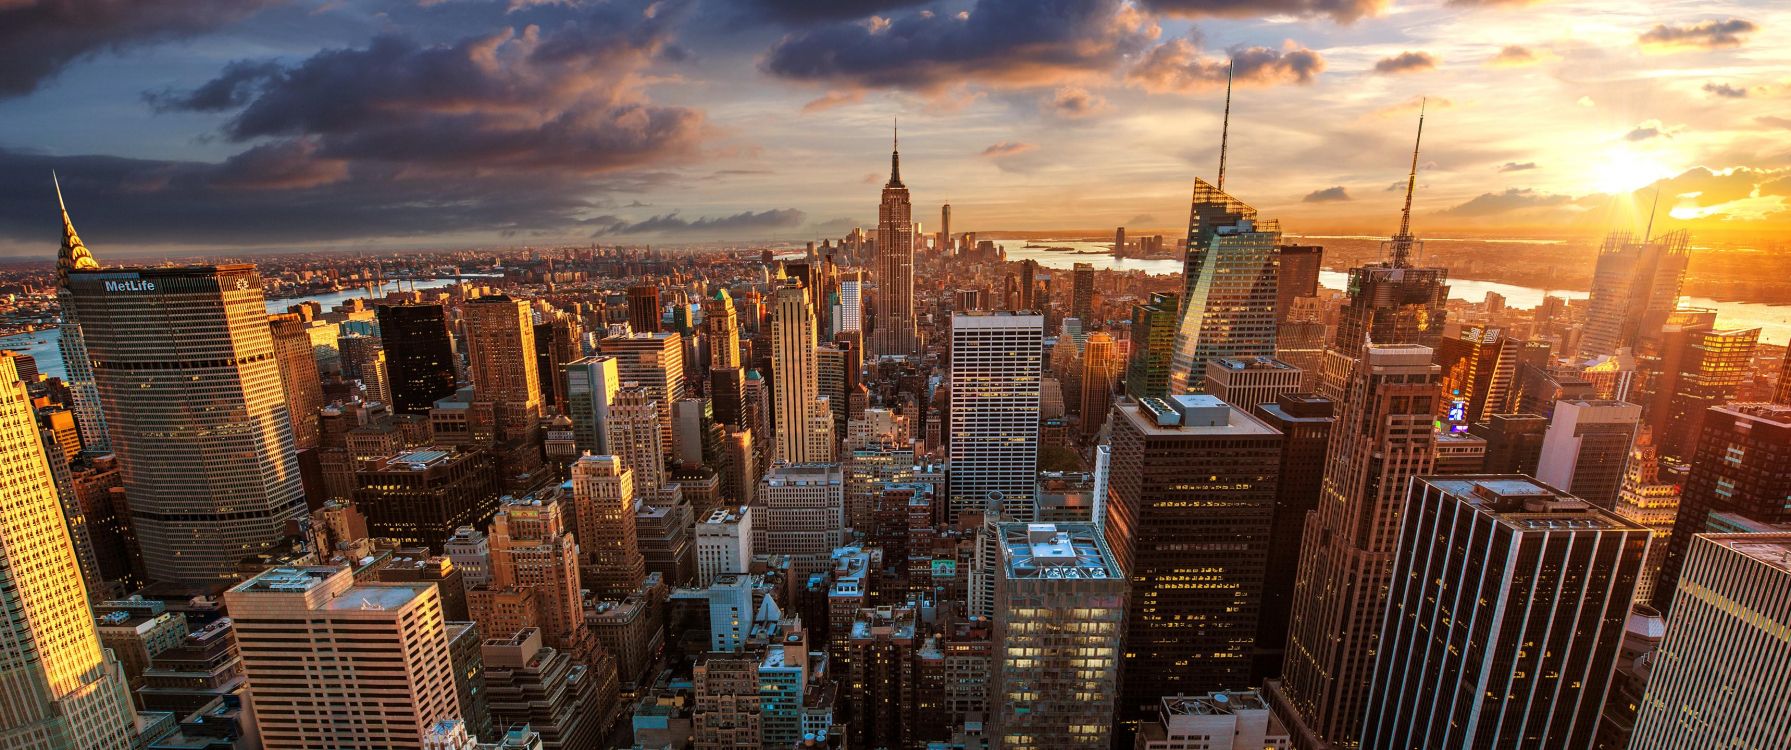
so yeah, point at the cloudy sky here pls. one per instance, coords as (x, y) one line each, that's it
(269, 124)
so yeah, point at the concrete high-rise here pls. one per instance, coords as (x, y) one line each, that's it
(603, 498)
(1586, 447)
(1305, 422)
(298, 376)
(722, 322)
(1100, 368)
(795, 379)
(896, 333)
(419, 355)
(1191, 467)
(1228, 287)
(1712, 365)
(1153, 346)
(1382, 438)
(1296, 276)
(1479, 368)
(1505, 621)
(341, 664)
(591, 385)
(1738, 467)
(1057, 651)
(654, 361)
(71, 343)
(500, 337)
(800, 510)
(1634, 288)
(850, 315)
(644, 310)
(724, 544)
(1248, 384)
(531, 547)
(1718, 678)
(209, 486)
(634, 435)
(996, 371)
(1082, 292)
(61, 689)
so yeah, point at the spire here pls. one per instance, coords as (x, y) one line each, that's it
(1225, 129)
(73, 254)
(1648, 234)
(1402, 242)
(895, 157)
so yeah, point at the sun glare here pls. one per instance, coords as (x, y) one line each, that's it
(1625, 170)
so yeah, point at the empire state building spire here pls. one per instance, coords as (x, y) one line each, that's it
(73, 254)
(895, 159)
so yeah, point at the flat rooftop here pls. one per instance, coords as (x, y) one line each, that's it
(1527, 505)
(1068, 551)
(1772, 549)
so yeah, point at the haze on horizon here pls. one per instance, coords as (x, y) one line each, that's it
(184, 126)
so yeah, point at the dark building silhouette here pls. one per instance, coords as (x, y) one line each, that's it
(1305, 423)
(1739, 467)
(419, 355)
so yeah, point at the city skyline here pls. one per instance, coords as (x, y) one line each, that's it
(705, 121)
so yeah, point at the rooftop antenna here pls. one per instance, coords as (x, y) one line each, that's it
(1648, 234)
(1402, 242)
(1225, 128)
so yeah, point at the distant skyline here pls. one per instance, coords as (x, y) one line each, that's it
(190, 126)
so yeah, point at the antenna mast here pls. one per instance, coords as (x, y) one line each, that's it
(1402, 242)
(1225, 128)
(1648, 234)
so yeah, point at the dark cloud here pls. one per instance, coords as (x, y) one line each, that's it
(38, 38)
(1343, 11)
(1007, 148)
(1513, 199)
(810, 11)
(1074, 102)
(997, 41)
(1333, 194)
(1725, 90)
(561, 99)
(673, 224)
(1513, 166)
(1178, 65)
(1406, 62)
(1711, 34)
(1141, 219)
(1652, 129)
(1513, 55)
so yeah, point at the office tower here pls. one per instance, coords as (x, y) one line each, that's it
(209, 486)
(1478, 369)
(1227, 720)
(1305, 422)
(1100, 366)
(1052, 689)
(604, 502)
(1739, 468)
(945, 239)
(1719, 677)
(727, 396)
(421, 497)
(1393, 302)
(726, 715)
(1586, 448)
(724, 544)
(883, 683)
(644, 310)
(1539, 387)
(1190, 467)
(1634, 288)
(591, 385)
(1300, 339)
(419, 356)
(1782, 393)
(895, 333)
(532, 548)
(471, 553)
(687, 431)
(850, 315)
(664, 534)
(722, 322)
(996, 367)
(1712, 370)
(1153, 345)
(334, 662)
(1082, 292)
(1382, 438)
(1635, 659)
(71, 343)
(1029, 272)
(800, 511)
(299, 378)
(62, 689)
(1228, 286)
(1646, 499)
(1503, 626)
(1249, 383)
(536, 689)
(500, 337)
(364, 359)
(1296, 275)
(1513, 442)
(558, 340)
(634, 434)
(795, 379)
(1459, 453)
(654, 361)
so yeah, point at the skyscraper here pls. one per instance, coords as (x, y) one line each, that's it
(1153, 346)
(945, 243)
(1082, 291)
(1100, 365)
(1718, 678)
(850, 315)
(654, 361)
(895, 333)
(996, 369)
(419, 356)
(795, 379)
(1305, 422)
(531, 547)
(1478, 369)
(336, 663)
(591, 385)
(1058, 642)
(603, 497)
(800, 511)
(1738, 467)
(299, 378)
(500, 337)
(1710, 372)
(60, 688)
(644, 310)
(1228, 286)
(1296, 276)
(634, 435)
(1634, 288)
(1190, 467)
(723, 325)
(1504, 622)
(1586, 447)
(72, 344)
(1382, 438)
(1250, 383)
(208, 486)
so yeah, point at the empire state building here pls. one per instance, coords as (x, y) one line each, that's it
(895, 333)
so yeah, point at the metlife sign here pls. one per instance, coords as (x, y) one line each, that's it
(130, 285)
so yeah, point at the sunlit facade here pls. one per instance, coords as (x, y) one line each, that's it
(1229, 284)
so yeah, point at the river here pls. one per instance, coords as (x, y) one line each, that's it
(42, 345)
(1774, 321)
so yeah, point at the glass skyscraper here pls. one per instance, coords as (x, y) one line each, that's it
(1229, 283)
